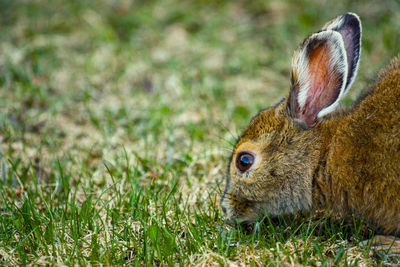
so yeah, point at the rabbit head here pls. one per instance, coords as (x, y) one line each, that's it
(271, 167)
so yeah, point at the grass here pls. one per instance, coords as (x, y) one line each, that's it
(117, 119)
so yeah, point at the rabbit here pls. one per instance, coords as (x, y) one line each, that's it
(305, 153)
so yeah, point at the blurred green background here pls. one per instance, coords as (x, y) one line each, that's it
(210, 60)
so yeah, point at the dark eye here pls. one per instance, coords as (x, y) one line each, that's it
(244, 160)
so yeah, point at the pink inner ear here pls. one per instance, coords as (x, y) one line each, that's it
(323, 81)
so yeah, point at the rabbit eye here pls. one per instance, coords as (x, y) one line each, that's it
(244, 161)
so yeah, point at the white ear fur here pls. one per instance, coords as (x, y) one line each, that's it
(300, 65)
(338, 59)
(335, 23)
(351, 33)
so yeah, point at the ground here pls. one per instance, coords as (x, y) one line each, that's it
(117, 119)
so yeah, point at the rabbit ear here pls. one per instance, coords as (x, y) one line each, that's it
(319, 76)
(349, 27)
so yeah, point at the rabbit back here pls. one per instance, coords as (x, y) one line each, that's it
(362, 165)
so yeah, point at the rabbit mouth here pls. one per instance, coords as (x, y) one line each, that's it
(241, 210)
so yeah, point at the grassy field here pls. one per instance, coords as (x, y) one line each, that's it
(117, 119)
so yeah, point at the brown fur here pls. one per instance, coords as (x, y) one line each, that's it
(348, 162)
(362, 173)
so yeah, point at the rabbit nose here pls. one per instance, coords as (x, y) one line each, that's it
(221, 204)
(224, 206)
(223, 209)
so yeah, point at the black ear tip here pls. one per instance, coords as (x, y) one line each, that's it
(351, 15)
(347, 22)
(351, 19)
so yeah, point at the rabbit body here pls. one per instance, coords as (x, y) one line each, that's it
(305, 154)
(359, 171)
